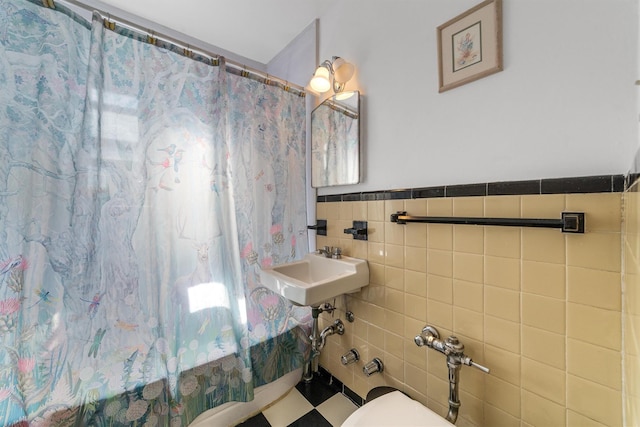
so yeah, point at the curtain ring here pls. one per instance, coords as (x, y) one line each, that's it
(108, 24)
(151, 39)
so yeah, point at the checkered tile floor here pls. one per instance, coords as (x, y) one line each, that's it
(314, 404)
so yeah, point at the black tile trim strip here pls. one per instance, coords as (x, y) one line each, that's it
(596, 184)
(353, 396)
(586, 184)
(331, 380)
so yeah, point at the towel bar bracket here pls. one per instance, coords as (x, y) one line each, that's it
(359, 231)
(573, 222)
(320, 227)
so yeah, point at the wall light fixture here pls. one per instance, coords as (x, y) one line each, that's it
(335, 73)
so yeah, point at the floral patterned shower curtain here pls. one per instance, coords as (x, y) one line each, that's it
(141, 192)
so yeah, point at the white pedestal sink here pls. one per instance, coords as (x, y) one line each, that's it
(316, 278)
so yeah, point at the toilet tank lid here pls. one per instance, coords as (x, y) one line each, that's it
(395, 409)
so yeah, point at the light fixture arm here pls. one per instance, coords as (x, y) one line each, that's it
(337, 86)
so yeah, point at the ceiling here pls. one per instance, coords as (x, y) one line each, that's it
(255, 29)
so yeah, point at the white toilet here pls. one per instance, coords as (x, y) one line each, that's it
(393, 408)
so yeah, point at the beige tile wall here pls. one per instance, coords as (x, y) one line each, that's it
(540, 308)
(631, 301)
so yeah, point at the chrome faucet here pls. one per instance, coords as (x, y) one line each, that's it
(336, 328)
(454, 350)
(331, 252)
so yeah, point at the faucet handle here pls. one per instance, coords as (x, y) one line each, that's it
(337, 253)
(350, 357)
(372, 367)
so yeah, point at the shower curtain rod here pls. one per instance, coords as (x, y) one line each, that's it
(244, 69)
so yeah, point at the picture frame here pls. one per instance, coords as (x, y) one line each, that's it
(470, 45)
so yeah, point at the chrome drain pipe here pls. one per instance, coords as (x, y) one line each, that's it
(318, 339)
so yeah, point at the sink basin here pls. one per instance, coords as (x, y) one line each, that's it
(315, 278)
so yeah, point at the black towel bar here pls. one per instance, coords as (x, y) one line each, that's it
(571, 222)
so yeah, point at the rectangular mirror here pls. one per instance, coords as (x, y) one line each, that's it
(335, 141)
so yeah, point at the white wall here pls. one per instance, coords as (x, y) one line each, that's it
(85, 9)
(565, 104)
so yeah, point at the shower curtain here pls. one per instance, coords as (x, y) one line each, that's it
(142, 190)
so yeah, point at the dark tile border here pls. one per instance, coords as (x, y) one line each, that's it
(428, 192)
(595, 184)
(353, 396)
(586, 184)
(513, 188)
(337, 384)
(465, 190)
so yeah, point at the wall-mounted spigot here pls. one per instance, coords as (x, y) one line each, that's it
(350, 357)
(372, 367)
(336, 328)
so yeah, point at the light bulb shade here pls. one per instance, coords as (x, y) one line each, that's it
(342, 70)
(320, 80)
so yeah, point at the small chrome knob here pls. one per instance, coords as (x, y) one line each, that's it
(372, 367)
(350, 357)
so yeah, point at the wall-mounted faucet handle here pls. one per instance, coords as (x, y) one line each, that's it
(325, 306)
(372, 367)
(350, 357)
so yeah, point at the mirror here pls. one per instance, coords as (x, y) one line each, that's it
(335, 141)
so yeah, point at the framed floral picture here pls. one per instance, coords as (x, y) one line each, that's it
(470, 45)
